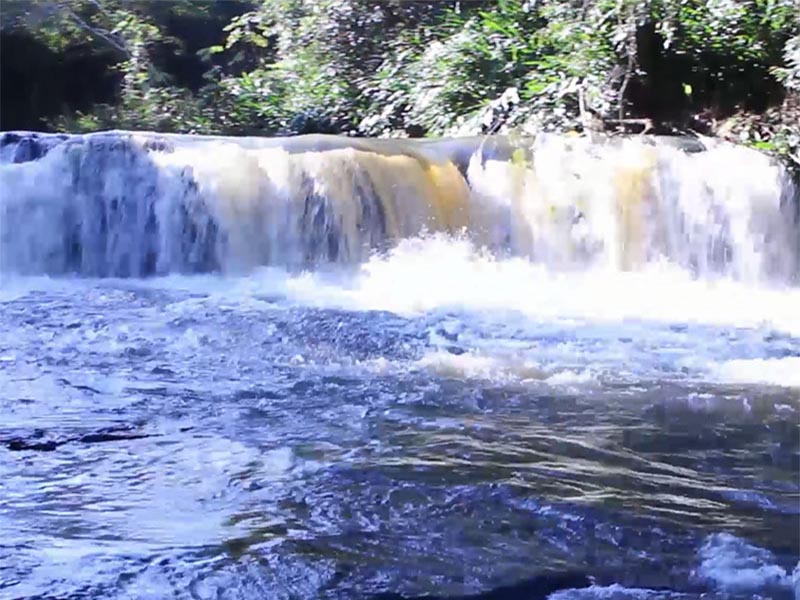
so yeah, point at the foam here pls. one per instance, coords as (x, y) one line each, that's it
(730, 563)
(783, 372)
(441, 272)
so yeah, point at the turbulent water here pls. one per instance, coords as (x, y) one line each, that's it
(330, 368)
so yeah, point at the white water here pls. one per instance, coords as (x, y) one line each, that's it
(129, 205)
(781, 371)
(615, 241)
(733, 564)
(648, 317)
(630, 277)
(725, 561)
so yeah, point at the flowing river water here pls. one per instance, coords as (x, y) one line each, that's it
(329, 368)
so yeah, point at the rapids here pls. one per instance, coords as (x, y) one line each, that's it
(325, 367)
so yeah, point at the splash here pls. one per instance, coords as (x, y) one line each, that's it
(733, 564)
(439, 272)
(771, 371)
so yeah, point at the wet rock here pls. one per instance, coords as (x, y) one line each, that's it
(38, 441)
(23, 146)
(111, 436)
(19, 445)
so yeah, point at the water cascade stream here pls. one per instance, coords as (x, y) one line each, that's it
(348, 369)
(129, 205)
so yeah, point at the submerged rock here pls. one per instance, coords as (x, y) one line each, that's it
(38, 440)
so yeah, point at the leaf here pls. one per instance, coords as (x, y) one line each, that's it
(764, 145)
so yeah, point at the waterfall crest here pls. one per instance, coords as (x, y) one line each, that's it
(127, 204)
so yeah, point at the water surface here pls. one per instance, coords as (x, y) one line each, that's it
(290, 437)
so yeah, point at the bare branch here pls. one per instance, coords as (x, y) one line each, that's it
(98, 33)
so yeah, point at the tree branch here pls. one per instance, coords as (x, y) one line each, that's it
(98, 33)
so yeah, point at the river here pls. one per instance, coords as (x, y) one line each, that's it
(328, 368)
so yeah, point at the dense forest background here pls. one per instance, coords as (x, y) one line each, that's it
(405, 67)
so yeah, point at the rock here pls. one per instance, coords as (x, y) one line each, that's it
(25, 146)
(35, 441)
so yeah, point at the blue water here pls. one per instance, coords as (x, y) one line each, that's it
(266, 446)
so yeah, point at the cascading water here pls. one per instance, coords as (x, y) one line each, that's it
(325, 367)
(123, 204)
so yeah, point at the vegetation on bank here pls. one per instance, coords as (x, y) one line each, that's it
(406, 67)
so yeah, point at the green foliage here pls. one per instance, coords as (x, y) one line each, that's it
(789, 74)
(131, 30)
(721, 38)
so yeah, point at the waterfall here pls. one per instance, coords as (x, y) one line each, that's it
(127, 204)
